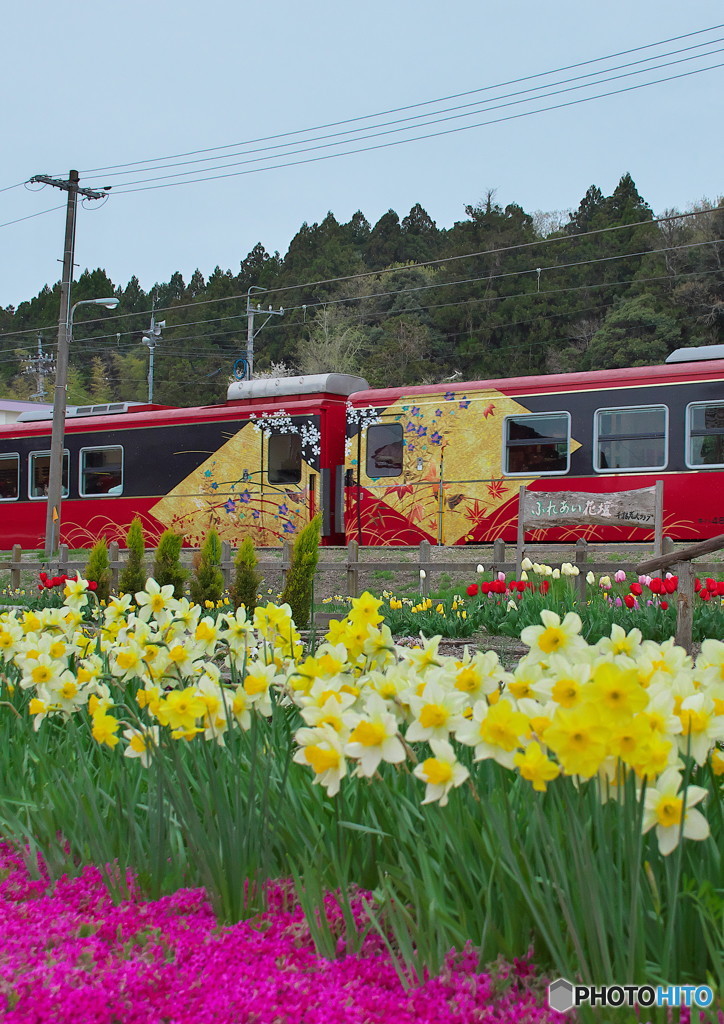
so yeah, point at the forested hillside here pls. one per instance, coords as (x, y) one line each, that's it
(501, 292)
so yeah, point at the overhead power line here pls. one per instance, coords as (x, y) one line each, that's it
(142, 184)
(411, 106)
(429, 118)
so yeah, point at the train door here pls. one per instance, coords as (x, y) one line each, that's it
(289, 481)
(396, 488)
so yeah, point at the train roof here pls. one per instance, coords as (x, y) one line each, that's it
(592, 380)
(343, 384)
(300, 395)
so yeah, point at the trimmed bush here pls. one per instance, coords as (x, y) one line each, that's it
(207, 583)
(167, 566)
(247, 580)
(299, 590)
(98, 569)
(133, 575)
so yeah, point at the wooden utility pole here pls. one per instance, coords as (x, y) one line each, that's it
(55, 481)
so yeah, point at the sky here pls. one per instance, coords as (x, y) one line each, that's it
(97, 85)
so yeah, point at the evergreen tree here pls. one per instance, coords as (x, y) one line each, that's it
(299, 590)
(167, 568)
(207, 582)
(247, 580)
(98, 569)
(133, 575)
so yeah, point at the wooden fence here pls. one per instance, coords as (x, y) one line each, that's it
(352, 564)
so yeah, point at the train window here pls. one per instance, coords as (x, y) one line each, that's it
(384, 449)
(40, 474)
(101, 471)
(537, 444)
(705, 434)
(285, 459)
(9, 477)
(630, 438)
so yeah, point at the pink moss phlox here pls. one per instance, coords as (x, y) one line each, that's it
(69, 953)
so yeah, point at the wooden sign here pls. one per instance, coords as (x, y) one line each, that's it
(544, 509)
(642, 508)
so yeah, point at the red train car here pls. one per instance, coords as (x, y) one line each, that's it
(388, 466)
(445, 462)
(260, 465)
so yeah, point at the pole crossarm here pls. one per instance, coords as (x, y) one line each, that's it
(69, 186)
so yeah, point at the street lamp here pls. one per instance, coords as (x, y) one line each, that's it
(55, 480)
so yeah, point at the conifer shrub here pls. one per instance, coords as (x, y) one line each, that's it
(98, 569)
(133, 574)
(207, 583)
(167, 566)
(247, 580)
(299, 590)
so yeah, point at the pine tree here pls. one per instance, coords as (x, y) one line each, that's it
(247, 580)
(207, 583)
(299, 590)
(133, 575)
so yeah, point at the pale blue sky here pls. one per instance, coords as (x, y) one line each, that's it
(96, 84)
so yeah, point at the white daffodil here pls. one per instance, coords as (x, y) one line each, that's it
(374, 738)
(664, 808)
(141, 743)
(440, 773)
(321, 749)
(155, 601)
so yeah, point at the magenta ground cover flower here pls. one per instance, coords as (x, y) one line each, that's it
(67, 953)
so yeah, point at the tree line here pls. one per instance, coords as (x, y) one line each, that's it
(500, 293)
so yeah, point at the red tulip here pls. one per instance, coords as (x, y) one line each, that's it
(636, 589)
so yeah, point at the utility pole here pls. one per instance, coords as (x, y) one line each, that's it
(152, 338)
(55, 485)
(250, 332)
(41, 366)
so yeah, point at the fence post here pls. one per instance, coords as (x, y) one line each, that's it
(498, 555)
(520, 542)
(63, 560)
(17, 556)
(352, 568)
(424, 556)
(287, 549)
(114, 562)
(226, 562)
(668, 546)
(659, 518)
(685, 604)
(581, 559)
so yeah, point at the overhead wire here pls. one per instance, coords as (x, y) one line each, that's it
(384, 124)
(412, 106)
(162, 182)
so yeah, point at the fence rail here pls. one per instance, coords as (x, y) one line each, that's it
(352, 563)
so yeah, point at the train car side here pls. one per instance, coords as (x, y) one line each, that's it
(261, 465)
(446, 464)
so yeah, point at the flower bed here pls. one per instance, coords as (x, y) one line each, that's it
(506, 606)
(69, 953)
(574, 803)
